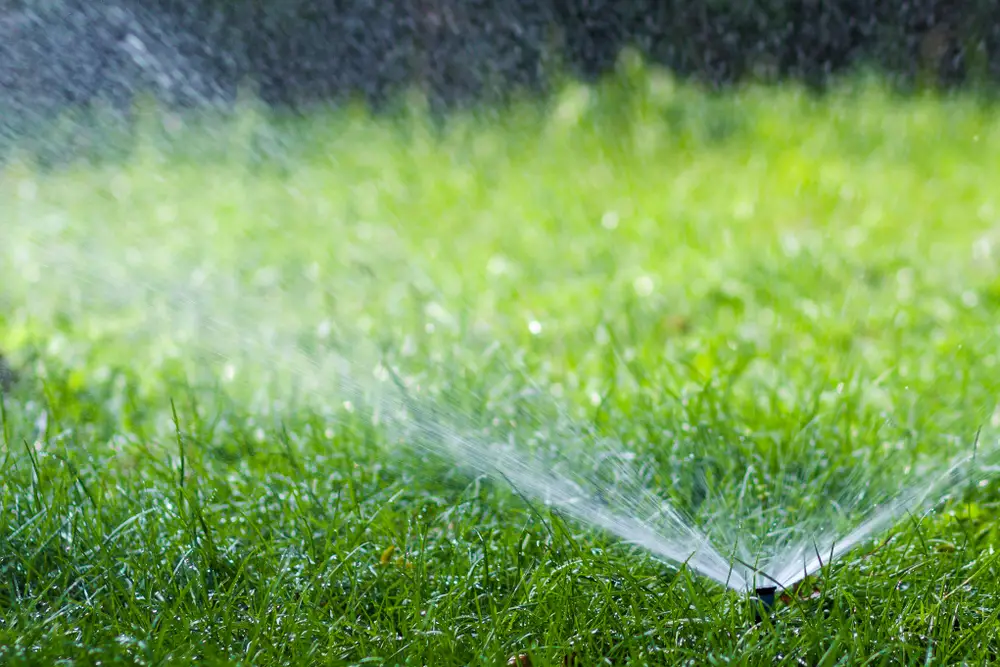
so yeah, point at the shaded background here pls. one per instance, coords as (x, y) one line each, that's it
(54, 52)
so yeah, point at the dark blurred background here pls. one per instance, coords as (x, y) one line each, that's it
(294, 52)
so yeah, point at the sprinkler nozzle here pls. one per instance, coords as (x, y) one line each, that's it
(765, 600)
(766, 595)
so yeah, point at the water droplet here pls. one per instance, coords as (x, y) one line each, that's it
(437, 312)
(601, 336)
(643, 285)
(409, 347)
(744, 210)
(610, 220)
(497, 265)
(172, 123)
(572, 104)
(855, 236)
(166, 213)
(120, 187)
(27, 190)
(982, 248)
(790, 245)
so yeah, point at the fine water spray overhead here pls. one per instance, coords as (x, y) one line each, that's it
(755, 530)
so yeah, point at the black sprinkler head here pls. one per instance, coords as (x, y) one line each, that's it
(766, 595)
(765, 598)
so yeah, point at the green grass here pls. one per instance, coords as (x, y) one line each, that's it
(762, 277)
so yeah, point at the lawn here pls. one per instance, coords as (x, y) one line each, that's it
(759, 296)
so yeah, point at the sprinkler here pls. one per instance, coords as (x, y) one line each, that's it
(765, 597)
